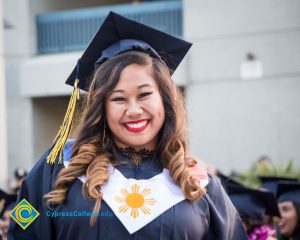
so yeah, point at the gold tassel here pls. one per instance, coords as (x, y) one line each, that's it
(64, 131)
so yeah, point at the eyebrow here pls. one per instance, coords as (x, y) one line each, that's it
(139, 87)
(144, 85)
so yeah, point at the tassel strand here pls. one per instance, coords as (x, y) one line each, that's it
(64, 130)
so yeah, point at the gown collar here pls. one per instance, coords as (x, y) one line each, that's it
(129, 154)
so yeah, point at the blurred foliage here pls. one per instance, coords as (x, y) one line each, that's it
(265, 168)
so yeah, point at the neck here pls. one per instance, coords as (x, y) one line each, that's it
(135, 156)
(148, 147)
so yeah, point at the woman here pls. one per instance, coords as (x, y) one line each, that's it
(129, 164)
(289, 207)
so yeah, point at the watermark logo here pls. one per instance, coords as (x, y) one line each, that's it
(24, 214)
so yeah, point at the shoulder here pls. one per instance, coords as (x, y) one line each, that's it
(225, 222)
(214, 183)
(215, 191)
(39, 168)
(215, 196)
(43, 171)
(218, 201)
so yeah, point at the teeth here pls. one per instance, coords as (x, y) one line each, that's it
(137, 125)
(280, 224)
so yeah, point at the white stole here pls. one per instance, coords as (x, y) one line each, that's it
(137, 202)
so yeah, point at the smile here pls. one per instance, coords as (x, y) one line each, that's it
(281, 224)
(136, 126)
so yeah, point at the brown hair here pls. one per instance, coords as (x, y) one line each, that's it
(91, 156)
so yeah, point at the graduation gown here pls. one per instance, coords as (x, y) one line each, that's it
(211, 217)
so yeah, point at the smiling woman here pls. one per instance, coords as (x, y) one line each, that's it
(130, 157)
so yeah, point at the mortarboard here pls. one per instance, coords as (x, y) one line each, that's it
(116, 35)
(271, 183)
(288, 191)
(5, 200)
(254, 203)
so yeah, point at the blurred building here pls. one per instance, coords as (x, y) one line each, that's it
(241, 79)
(3, 138)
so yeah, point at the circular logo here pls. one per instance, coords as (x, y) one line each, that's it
(24, 213)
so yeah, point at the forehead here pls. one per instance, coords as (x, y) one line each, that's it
(286, 204)
(135, 76)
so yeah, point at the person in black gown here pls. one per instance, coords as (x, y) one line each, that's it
(257, 209)
(128, 174)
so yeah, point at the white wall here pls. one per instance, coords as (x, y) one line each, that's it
(3, 140)
(235, 121)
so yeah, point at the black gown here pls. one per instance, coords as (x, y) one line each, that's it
(211, 217)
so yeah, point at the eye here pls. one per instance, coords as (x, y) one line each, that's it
(142, 95)
(118, 99)
(285, 209)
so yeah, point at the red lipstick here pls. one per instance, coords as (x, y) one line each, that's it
(136, 126)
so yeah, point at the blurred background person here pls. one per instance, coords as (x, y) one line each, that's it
(5, 221)
(255, 208)
(289, 207)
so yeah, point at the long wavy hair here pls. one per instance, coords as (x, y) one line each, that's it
(91, 155)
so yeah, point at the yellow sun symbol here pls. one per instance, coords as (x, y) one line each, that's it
(135, 200)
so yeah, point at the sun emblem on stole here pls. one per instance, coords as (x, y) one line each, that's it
(135, 200)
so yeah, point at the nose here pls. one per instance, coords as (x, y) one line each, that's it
(133, 109)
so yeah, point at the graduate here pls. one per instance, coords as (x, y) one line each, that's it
(128, 174)
(255, 206)
(288, 195)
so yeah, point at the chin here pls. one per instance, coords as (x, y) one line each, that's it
(284, 233)
(137, 141)
(137, 145)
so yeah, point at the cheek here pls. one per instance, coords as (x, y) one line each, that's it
(162, 112)
(291, 221)
(293, 217)
(287, 216)
(156, 108)
(159, 106)
(113, 113)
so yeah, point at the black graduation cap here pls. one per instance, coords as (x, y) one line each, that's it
(109, 41)
(271, 183)
(288, 191)
(253, 203)
(5, 201)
